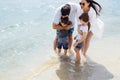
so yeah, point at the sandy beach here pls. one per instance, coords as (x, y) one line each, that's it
(66, 71)
(101, 65)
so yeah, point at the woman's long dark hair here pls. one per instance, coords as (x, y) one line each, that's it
(95, 6)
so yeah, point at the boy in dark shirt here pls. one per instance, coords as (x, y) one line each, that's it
(63, 35)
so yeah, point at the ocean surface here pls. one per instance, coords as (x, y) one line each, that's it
(26, 34)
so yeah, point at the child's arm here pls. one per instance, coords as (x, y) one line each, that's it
(68, 27)
(57, 27)
(82, 40)
(75, 44)
(78, 29)
(75, 37)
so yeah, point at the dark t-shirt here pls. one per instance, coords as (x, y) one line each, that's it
(62, 33)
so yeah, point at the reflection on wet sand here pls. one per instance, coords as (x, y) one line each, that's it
(65, 69)
(90, 71)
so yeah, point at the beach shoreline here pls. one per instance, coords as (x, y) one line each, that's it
(101, 64)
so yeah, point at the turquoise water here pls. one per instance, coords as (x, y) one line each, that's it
(26, 33)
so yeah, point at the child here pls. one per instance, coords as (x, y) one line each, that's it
(63, 35)
(82, 34)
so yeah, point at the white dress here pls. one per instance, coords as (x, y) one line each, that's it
(97, 26)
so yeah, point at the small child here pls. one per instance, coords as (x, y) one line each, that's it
(63, 35)
(82, 34)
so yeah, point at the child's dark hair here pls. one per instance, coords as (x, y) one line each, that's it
(85, 18)
(66, 21)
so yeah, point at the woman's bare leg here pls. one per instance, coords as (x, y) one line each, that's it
(87, 42)
(55, 43)
(70, 44)
(83, 47)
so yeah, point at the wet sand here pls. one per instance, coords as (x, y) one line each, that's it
(64, 69)
(101, 65)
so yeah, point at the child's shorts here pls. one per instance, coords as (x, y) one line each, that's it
(62, 42)
(79, 46)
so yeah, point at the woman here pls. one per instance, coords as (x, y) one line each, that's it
(93, 9)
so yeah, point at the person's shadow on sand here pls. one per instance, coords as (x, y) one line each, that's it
(90, 71)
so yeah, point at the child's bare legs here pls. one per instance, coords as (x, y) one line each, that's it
(77, 60)
(69, 41)
(65, 51)
(59, 51)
